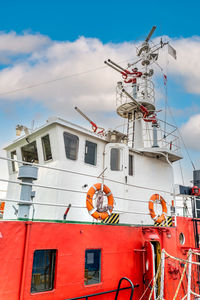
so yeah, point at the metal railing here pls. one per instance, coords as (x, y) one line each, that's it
(111, 291)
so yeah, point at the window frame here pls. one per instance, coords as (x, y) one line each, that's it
(131, 155)
(100, 267)
(77, 145)
(43, 148)
(52, 275)
(14, 164)
(95, 158)
(120, 163)
(35, 141)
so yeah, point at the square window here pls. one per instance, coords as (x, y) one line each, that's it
(29, 152)
(71, 145)
(92, 266)
(115, 159)
(90, 153)
(46, 147)
(13, 155)
(43, 271)
(130, 165)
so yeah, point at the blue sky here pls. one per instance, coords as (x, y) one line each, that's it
(111, 20)
(36, 35)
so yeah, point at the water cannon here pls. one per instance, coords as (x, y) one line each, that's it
(128, 76)
(95, 128)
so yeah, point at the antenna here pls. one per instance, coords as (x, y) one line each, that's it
(150, 34)
(145, 45)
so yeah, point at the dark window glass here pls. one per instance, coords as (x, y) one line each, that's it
(71, 145)
(46, 147)
(13, 155)
(43, 271)
(197, 207)
(92, 266)
(29, 152)
(90, 153)
(198, 203)
(115, 159)
(130, 165)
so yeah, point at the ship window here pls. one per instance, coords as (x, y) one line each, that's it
(197, 208)
(115, 164)
(46, 147)
(43, 271)
(71, 145)
(13, 155)
(29, 152)
(90, 153)
(92, 266)
(130, 165)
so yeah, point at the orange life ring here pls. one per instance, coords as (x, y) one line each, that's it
(157, 218)
(89, 202)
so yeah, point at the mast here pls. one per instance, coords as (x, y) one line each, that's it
(136, 95)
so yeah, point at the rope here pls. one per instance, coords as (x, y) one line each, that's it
(82, 174)
(63, 205)
(190, 252)
(181, 279)
(181, 259)
(156, 277)
(147, 288)
(196, 253)
(195, 294)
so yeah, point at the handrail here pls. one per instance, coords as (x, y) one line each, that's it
(119, 284)
(111, 291)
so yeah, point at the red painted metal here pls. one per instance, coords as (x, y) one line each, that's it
(149, 270)
(119, 257)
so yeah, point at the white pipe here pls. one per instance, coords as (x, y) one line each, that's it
(189, 274)
(162, 274)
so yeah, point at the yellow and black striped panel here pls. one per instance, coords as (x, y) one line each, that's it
(112, 219)
(166, 223)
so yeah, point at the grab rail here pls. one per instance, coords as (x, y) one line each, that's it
(111, 291)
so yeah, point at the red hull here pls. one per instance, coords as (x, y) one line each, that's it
(122, 255)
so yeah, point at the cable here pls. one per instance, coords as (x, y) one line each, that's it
(181, 137)
(50, 81)
(56, 79)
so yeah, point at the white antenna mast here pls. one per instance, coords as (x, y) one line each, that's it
(135, 95)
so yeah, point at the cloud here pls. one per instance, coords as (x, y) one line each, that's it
(34, 58)
(31, 59)
(187, 66)
(93, 91)
(191, 132)
(12, 44)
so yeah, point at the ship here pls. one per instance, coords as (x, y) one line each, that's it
(95, 213)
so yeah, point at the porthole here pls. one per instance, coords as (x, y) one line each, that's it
(181, 238)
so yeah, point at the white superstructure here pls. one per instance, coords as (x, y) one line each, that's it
(135, 164)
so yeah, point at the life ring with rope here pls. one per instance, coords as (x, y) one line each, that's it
(99, 212)
(157, 218)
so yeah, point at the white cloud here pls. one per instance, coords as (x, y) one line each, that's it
(90, 91)
(12, 44)
(187, 66)
(34, 58)
(46, 60)
(191, 132)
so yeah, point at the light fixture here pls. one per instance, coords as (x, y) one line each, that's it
(20, 128)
